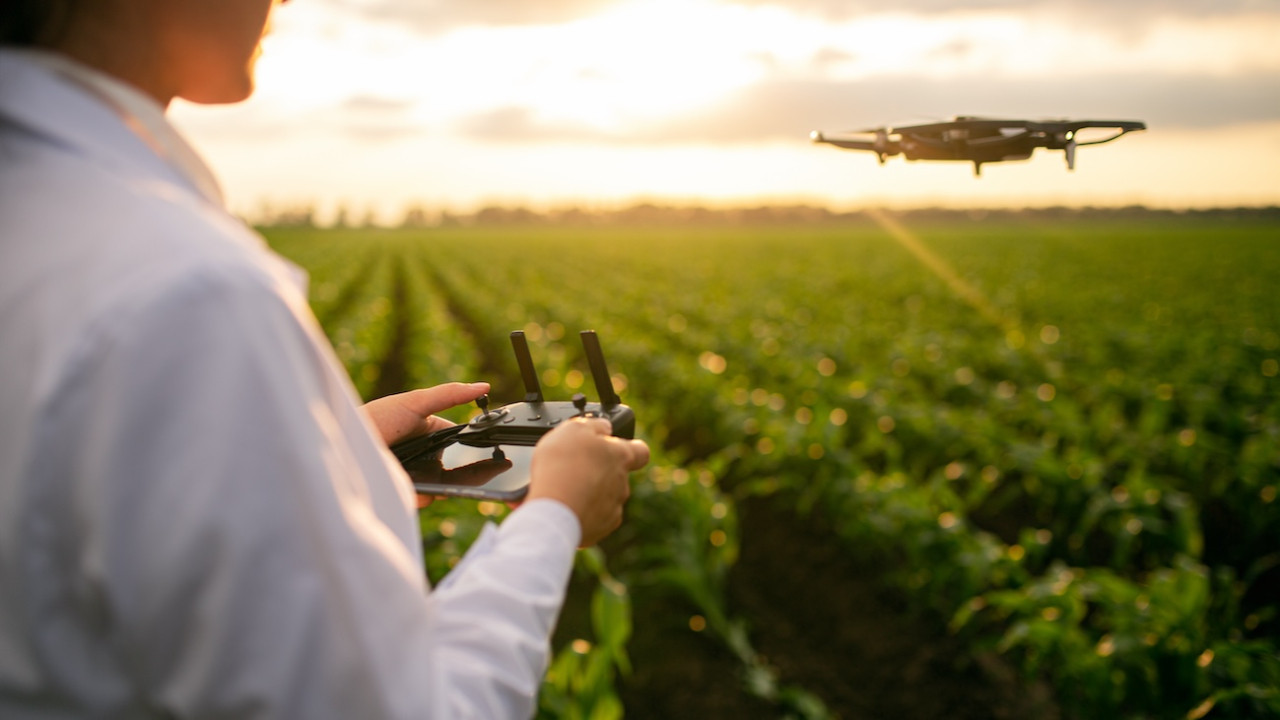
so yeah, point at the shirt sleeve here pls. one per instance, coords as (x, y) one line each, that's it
(220, 525)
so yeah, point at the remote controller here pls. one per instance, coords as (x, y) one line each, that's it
(488, 439)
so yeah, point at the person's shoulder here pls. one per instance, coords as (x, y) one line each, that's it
(81, 208)
(86, 250)
(114, 228)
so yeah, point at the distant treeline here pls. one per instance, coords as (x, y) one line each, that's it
(649, 214)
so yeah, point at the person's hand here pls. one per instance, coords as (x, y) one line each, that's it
(583, 466)
(410, 414)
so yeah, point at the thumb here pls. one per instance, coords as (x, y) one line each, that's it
(425, 402)
(405, 414)
(639, 453)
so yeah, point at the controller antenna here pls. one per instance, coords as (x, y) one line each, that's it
(599, 373)
(532, 390)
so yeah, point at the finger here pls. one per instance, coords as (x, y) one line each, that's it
(425, 402)
(435, 422)
(639, 454)
(633, 453)
(585, 426)
(411, 413)
(596, 425)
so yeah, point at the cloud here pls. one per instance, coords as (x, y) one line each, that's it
(373, 118)
(375, 105)
(436, 16)
(790, 109)
(521, 125)
(1083, 9)
(439, 15)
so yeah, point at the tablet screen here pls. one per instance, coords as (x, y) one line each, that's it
(499, 473)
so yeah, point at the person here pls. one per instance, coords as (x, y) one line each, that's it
(197, 517)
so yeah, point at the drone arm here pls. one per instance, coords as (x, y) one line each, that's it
(846, 144)
(881, 145)
(851, 144)
(1121, 128)
(1107, 139)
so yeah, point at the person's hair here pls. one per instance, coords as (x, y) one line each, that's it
(32, 23)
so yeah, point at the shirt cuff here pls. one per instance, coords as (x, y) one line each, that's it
(546, 513)
(545, 518)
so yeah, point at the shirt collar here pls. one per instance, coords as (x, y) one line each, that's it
(143, 115)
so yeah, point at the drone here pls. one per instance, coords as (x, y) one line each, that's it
(978, 140)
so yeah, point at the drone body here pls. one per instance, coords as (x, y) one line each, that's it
(978, 140)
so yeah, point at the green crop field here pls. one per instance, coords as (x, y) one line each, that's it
(1017, 466)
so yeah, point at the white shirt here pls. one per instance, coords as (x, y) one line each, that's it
(196, 518)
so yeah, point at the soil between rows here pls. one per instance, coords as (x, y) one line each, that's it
(393, 375)
(843, 639)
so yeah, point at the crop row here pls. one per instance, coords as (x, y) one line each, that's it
(1115, 447)
(392, 328)
(1066, 439)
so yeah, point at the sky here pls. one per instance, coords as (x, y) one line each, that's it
(379, 105)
